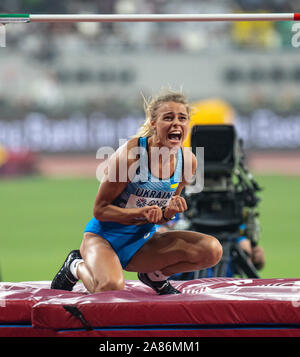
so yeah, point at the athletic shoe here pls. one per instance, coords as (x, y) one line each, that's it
(161, 287)
(64, 279)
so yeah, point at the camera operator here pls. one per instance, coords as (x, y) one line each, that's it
(256, 253)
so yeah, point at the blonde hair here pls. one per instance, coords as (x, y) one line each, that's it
(151, 106)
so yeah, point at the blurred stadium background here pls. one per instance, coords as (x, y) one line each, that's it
(68, 89)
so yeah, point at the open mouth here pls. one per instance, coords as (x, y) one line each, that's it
(175, 136)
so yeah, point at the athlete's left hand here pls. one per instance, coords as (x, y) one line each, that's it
(176, 205)
(153, 214)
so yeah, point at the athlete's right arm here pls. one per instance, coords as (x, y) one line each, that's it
(105, 211)
(112, 185)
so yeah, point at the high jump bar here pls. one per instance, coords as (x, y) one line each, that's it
(25, 18)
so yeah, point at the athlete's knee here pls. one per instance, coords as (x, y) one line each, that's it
(206, 251)
(108, 284)
(213, 250)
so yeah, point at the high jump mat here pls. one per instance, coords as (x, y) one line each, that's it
(216, 307)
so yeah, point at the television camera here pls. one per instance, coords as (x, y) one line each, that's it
(227, 207)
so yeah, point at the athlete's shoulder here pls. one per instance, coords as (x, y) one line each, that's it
(121, 159)
(190, 164)
(123, 150)
(189, 156)
(133, 142)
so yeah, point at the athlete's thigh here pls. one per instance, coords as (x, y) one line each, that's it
(100, 258)
(164, 249)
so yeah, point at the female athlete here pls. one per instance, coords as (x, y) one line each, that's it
(141, 189)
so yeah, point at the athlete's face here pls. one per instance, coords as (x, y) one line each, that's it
(171, 125)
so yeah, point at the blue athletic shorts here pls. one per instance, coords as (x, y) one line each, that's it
(125, 240)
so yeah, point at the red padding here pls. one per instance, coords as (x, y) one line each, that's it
(213, 302)
(18, 299)
(203, 301)
(167, 312)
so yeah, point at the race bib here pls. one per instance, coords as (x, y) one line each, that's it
(139, 202)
